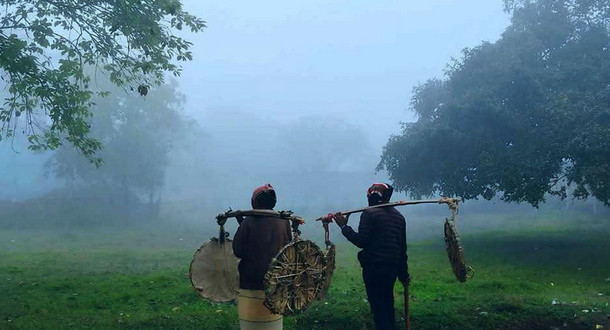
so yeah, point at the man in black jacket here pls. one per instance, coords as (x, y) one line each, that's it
(382, 237)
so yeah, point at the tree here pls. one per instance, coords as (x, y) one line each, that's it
(138, 135)
(45, 46)
(522, 117)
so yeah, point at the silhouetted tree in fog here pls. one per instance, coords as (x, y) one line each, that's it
(138, 134)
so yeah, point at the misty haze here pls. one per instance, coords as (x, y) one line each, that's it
(128, 127)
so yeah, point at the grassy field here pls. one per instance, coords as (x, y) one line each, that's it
(547, 277)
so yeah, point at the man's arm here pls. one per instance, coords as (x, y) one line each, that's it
(239, 240)
(361, 238)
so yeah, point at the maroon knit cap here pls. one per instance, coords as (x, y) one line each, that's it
(263, 197)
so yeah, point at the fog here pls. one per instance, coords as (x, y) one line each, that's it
(354, 60)
(300, 95)
(269, 87)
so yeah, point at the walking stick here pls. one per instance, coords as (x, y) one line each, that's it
(407, 318)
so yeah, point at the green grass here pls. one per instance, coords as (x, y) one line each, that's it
(132, 279)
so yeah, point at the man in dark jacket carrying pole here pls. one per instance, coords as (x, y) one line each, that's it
(257, 241)
(382, 237)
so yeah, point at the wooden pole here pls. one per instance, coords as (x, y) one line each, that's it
(286, 215)
(443, 200)
(406, 296)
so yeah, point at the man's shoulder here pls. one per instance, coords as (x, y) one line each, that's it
(252, 220)
(379, 210)
(264, 220)
(383, 211)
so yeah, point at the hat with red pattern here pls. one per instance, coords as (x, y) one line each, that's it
(379, 193)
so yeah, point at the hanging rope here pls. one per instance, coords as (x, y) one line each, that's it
(329, 267)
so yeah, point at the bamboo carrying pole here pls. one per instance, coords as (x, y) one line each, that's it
(452, 202)
(221, 219)
(287, 215)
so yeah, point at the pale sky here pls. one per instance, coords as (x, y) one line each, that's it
(357, 60)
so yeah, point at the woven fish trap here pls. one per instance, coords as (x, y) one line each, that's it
(329, 268)
(213, 271)
(455, 252)
(295, 278)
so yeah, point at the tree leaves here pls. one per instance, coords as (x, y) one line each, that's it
(45, 45)
(521, 117)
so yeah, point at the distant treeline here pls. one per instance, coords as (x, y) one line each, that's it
(315, 195)
(91, 206)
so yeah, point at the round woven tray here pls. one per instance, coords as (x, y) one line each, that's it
(213, 271)
(295, 278)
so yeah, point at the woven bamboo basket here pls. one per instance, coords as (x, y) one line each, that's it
(455, 252)
(295, 278)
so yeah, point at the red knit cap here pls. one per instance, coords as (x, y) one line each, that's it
(258, 200)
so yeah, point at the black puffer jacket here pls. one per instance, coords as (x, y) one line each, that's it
(382, 237)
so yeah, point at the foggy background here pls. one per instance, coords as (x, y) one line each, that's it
(302, 95)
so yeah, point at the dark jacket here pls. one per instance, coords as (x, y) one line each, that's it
(257, 241)
(382, 237)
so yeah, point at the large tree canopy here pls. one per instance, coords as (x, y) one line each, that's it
(522, 117)
(45, 46)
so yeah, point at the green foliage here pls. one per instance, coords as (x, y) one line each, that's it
(46, 45)
(524, 116)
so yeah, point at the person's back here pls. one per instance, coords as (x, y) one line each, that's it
(257, 241)
(387, 239)
(382, 237)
